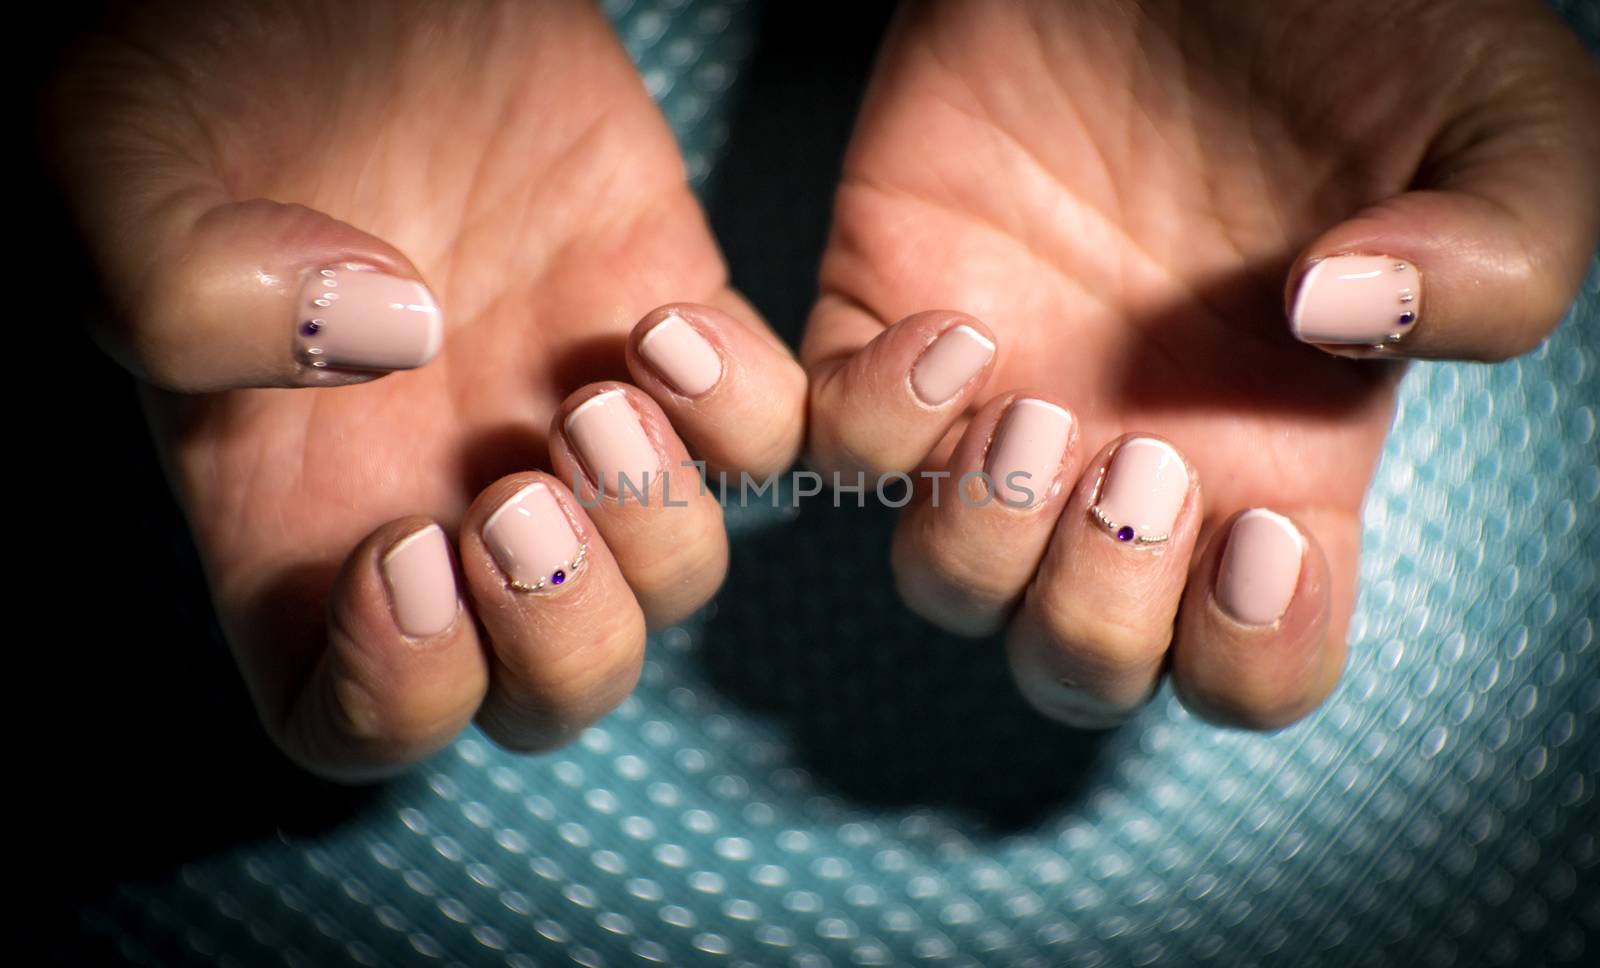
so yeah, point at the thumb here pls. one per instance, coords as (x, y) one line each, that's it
(214, 294)
(1482, 259)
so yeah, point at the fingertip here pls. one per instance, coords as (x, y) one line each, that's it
(420, 576)
(565, 631)
(1357, 301)
(959, 353)
(1482, 264)
(678, 346)
(633, 475)
(260, 293)
(1260, 568)
(1096, 627)
(887, 404)
(402, 673)
(736, 396)
(1257, 647)
(966, 549)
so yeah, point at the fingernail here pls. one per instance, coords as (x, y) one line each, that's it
(1260, 567)
(366, 320)
(533, 540)
(612, 445)
(1142, 491)
(682, 357)
(1357, 299)
(422, 583)
(1028, 447)
(950, 363)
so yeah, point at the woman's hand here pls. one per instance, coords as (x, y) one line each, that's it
(1145, 204)
(289, 200)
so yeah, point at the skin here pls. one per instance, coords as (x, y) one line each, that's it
(506, 153)
(1119, 194)
(1124, 194)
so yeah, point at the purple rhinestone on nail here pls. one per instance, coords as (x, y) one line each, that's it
(1124, 533)
(1407, 318)
(559, 577)
(310, 328)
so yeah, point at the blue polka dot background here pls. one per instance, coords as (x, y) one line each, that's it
(806, 776)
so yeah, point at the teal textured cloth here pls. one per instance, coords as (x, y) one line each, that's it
(806, 776)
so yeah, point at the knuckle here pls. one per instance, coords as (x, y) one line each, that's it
(1105, 648)
(542, 707)
(946, 583)
(680, 577)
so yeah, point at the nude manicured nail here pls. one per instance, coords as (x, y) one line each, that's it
(612, 445)
(1360, 299)
(422, 583)
(1142, 491)
(681, 356)
(950, 364)
(362, 319)
(1028, 448)
(1260, 567)
(533, 540)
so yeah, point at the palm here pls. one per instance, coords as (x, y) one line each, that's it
(524, 170)
(1097, 194)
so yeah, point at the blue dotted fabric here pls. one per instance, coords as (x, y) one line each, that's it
(807, 777)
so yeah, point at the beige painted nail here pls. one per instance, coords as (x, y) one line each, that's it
(612, 445)
(1362, 299)
(533, 541)
(1260, 567)
(366, 320)
(681, 356)
(1028, 448)
(949, 364)
(1143, 491)
(422, 583)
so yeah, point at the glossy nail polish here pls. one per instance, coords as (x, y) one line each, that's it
(362, 319)
(1139, 497)
(1025, 456)
(1360, 299)
(949, 364)
(683, 358)
(422, 583)
(612, 445)
(1260, 567)
(534, 541)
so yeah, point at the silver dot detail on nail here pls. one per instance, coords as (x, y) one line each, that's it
(557, 577)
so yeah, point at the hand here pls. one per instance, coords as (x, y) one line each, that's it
(1123, 194)
(266, 188)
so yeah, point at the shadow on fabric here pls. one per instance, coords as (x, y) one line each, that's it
(880, 707)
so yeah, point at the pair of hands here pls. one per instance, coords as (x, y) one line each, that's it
(1123, 197)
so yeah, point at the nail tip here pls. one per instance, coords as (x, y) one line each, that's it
(681, 356)
(598, 400)
(667, 322)
(1280, 521)
(1036, 403)
(1166, 448)
(429, 531)
(1297, 309)
(948, 366)
(512, 502)
(975, 336)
